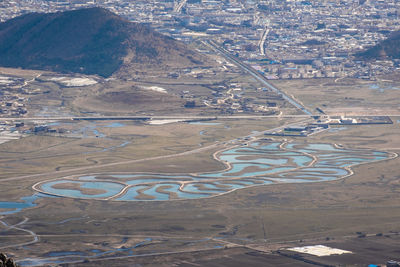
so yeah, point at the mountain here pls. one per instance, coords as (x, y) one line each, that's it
(89, 41)
(389, 48)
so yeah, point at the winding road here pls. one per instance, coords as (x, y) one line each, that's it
(15, 227)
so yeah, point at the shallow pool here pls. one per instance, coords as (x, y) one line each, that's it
(205, 123)
(132, 193)
(110, 188)
(14, 207)
(257, 164)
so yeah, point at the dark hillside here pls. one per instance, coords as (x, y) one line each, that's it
(89, 41)
(389, 48)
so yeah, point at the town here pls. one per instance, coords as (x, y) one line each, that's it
(280, 39)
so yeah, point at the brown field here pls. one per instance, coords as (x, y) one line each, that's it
(344, 96)
(252, 224)
(366, 202)
(89, 191)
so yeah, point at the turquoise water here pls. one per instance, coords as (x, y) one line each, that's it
(87, 178)
(241, 151)
(338, 156)
(110, 188)
(211, 185)
(115, 125)
(145, 181)
(254, 144)
(246, 182)
(157, 196)
(311, 176)
(234, 159)
(53, 124)
(14, 207)
(147, 175)
(131, 193)
(290, 146)
(326, 147)
(259, 181)
(271, 161)
(229, 158)
(237, 168)
(204, 123)
(184, 195)
(382, 88)
(98, 134)
(301, 160)
(64, 253)
(60, 257)
(290, 154)
(273, 146)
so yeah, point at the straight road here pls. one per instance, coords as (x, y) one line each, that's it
(256, 75)
(171, 117)
(146, 118)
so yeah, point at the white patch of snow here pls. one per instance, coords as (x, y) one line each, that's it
(73, 82)
(155, 88)
(160, 122)
(319, 250)
(57, 78)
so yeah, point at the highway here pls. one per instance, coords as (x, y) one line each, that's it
(256, 75)
(148, 118)
(172, 117)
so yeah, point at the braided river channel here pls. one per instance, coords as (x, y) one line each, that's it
(254, 164)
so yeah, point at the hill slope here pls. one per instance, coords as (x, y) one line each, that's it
(89, 41)
(389, 48)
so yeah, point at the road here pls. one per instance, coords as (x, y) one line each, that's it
(147, 118)
(172, 117)
(31, 80)
(178, 7)
(261, 43)
(15, 227)
(256, 75)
